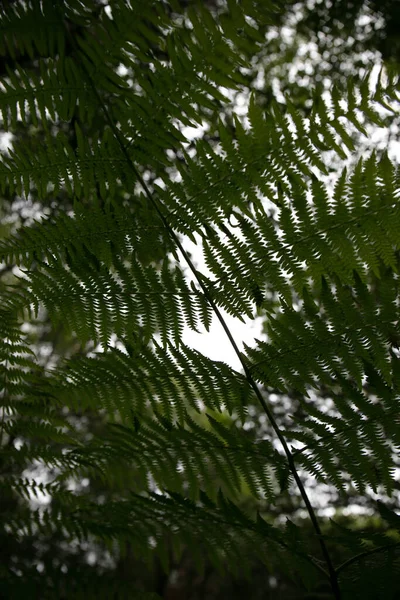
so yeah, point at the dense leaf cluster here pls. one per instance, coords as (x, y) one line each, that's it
(322, 267)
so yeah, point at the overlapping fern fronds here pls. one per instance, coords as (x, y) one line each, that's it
(322, 268)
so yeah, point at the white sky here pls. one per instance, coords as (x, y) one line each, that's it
(215, 343)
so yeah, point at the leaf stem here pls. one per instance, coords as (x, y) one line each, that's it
(353, 559)
(156, 204)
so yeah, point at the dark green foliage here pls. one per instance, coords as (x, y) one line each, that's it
(166, 464)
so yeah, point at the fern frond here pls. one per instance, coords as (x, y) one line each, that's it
(141, 520)
(133, 299)
(322, 268)
(59, 89)
(204, 457)
(167, 380)
(337, 345)
(19, 37)
(213, 189)
(95, 165)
